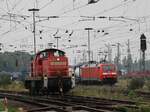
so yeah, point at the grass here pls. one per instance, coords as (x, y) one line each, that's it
(99, 91)
(119, 91)
(14, 86)
(103, 91)
(140, 109)
(10, 108)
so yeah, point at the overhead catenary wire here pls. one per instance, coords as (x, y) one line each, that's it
(10, 5)
(115, 7)
(28, 16)
(72, 8)
(16, 4)
(7, 6)
(68, 11)
(47, 4)
(64, 28)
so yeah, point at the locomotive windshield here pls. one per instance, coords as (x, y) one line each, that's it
(43, 55)
(108, 68)
(52, 52)
(59, 53)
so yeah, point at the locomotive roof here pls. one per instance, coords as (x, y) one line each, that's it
(48, 50)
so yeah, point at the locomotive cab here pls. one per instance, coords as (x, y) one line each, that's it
(48, 68)
(108, 73)
(94, 73)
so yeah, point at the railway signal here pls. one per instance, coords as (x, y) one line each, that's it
(143, 48)
(143, 42)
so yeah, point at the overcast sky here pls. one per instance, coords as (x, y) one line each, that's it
(126, 19)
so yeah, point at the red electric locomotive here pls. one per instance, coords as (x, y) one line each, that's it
(97, 73)
(49, 72)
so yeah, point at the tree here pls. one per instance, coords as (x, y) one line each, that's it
(5, 79)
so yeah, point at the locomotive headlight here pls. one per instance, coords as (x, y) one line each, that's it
(58, 59)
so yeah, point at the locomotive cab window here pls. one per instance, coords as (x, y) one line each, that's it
(98, 67)
(61, 53)
(58, 53)
(108, 68)
(92, 65)
(41, 56)
(45, 54)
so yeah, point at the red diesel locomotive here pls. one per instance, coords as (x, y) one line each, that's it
(96, 73)
(49, 72)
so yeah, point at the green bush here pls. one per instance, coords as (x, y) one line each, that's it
(147, 84)
(5, 80)
(136, 83)
(133, 110)
(131, 94)
(121, 109)
(145, 108)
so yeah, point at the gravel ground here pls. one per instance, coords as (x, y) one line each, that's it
(22, 107)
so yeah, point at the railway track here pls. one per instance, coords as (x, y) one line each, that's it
(145, 95)
(98, 103)
(68, 103)
(44, 104)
